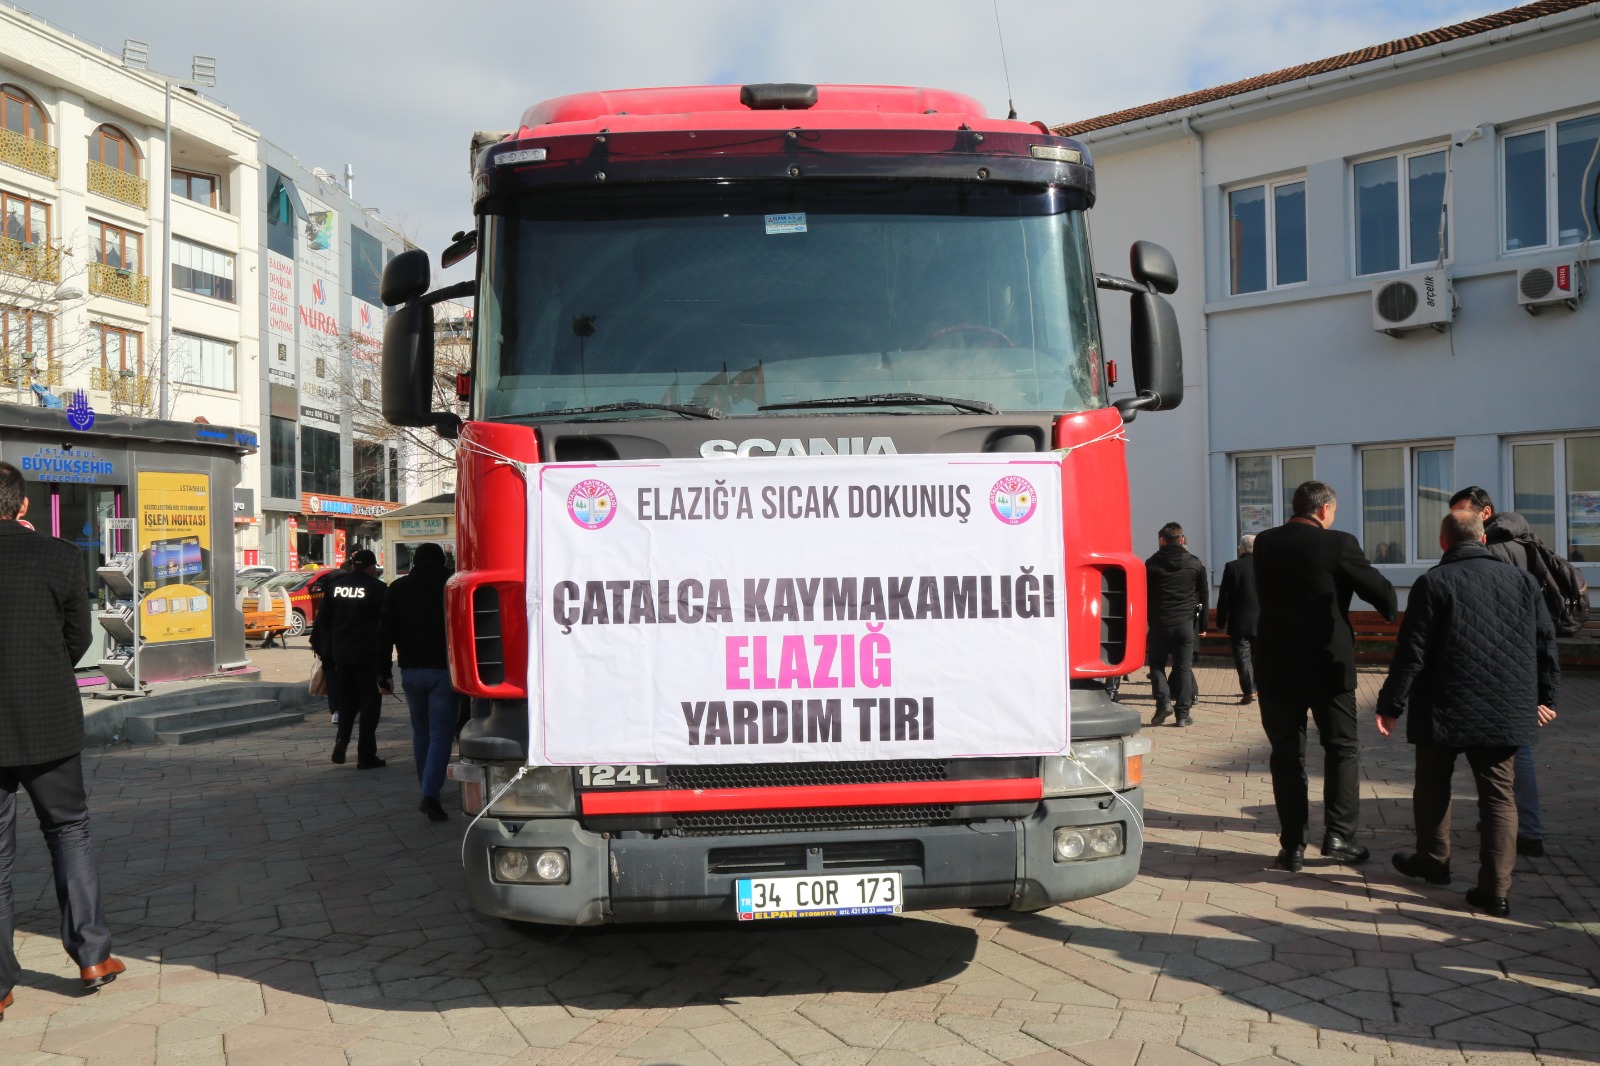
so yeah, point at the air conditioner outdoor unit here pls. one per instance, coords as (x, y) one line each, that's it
(1411, 302)
(1540, 286)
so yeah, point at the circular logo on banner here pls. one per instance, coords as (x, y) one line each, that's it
(591, 504)
(1013, 500)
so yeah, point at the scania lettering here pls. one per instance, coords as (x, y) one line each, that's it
(792, 508)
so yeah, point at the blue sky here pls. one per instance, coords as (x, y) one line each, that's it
(397, 87)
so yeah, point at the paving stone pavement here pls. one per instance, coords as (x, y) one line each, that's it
(276, 909)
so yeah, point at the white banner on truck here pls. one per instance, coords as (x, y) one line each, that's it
(790, 610)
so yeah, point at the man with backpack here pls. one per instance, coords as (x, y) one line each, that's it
(1511, 539)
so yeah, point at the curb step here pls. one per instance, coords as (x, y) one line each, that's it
(198, 733)
(147, 728)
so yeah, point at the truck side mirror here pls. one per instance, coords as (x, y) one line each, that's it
(1153, 267)
(408, 369)
(405, 278)
(1157, 353)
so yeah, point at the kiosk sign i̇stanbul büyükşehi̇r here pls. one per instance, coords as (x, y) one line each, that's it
(831, 608)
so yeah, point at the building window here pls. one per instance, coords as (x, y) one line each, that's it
(121, 350)
(1405, 491)
(319, 461)
(111, 147)
(281, 199)
(27, 347)
(27, 220)
(369, 464)
(118, 248)
(205, 361)
(282, 459)
(23, 114)
(1400, 211)
(1267, 235)
(1263, 489)
(366, 265)
(201, 270)
(1548, 204)
(1555, 485)
(201, 188)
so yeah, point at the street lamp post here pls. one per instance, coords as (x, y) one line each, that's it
(202, 74)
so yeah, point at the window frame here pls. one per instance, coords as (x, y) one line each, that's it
(201, 360)
(1269, 187)
(233, 263)
(188, 177)
(1412, 532)
(100, 229)
(106, 133)
(1281, 509)
(1562, 494)
(104, 329)
(1403, 179)
(1552, 186)
(11, 91)
(7, 198)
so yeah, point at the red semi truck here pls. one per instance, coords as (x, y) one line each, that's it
(793, 517)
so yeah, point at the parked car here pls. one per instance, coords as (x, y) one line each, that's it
(303, 601)
(250, 578)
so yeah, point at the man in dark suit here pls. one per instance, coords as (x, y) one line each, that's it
(44, 630)
(1237, 610)
(1305, 659)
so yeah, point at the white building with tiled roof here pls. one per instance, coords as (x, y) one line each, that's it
(1381, 255)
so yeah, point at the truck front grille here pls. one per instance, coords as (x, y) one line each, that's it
(736, 822)
(790, 775)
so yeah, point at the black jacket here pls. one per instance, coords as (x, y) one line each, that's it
(1237, 606)
(1502, 531)
(1476, 655)
(413, 619)
(1305, 577)
(44, 631)
(346, 629)
(1176, 589)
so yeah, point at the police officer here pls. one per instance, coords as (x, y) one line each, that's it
(354, 661)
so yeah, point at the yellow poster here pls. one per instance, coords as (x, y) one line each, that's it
(174, 557)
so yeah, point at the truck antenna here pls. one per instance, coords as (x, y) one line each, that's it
(1001, 34)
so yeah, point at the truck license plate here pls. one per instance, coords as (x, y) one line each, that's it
(818, 897)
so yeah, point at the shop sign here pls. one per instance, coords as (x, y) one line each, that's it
(319, 524)
(422, 527)
(69, 465)
(294, 544)
(345, 505)
(174, 557)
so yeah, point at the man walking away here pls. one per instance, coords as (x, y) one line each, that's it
(44, 630)
(413, 622)
(354, 661)
(1507, 535)
(1305, 659)
(1177, 597)
(1476, 667)
(1237, 610)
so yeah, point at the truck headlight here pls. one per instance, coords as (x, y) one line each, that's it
(543, 790)
(529, 866)
(1094, 766)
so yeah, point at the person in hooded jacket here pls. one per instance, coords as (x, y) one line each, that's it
(1177, 598)
(1503, 530)
(413, 624)
(1476, 673)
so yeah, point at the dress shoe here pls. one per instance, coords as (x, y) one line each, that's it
(431, 806)
(371, 764)
(102, 974)
(1183, 720)
(1414, 865)
(4, 1003)
(1493, 906)
(1247, 698)
(1346, 851)
(338, 753)
(1161, 715)
(1291, 859)
(1529, 846)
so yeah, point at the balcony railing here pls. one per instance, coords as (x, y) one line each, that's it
(39, 370)
(131, 389)
(38, 261)
(118, 184)
(119, 284)
(25, 153)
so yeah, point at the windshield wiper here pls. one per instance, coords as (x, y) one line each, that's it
(888, 399)
(635, 405)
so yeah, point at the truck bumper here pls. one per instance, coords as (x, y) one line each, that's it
(638, 877)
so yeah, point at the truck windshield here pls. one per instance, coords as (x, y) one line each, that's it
(738, 296)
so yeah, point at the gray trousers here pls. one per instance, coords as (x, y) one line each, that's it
(56, 789)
